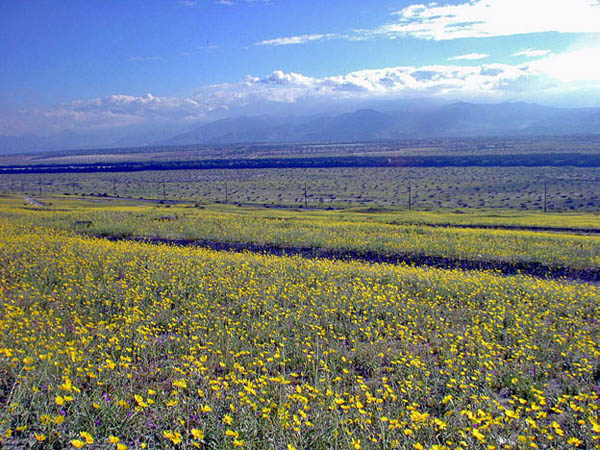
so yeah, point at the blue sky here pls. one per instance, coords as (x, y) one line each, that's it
(70, 65)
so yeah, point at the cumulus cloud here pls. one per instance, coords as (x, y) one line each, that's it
(280, 77)
(289, 87)
(572, 67)
(301, 39)
(477, 19)
(122, 110)
(532, 53)
(488, 18)
(474, 19)
(431, 80)
(553, 75)
(469, 57)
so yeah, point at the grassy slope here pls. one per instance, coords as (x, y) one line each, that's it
(169, 347)
(385, 232)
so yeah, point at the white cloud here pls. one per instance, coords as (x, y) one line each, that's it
(301, 39)
(474, 19)
(121, 110)
(432, 80)
(565, 74)
(469, 57)
(282, 78)
(573, 66)
(289, 87)
(532, 53)
(488, 18)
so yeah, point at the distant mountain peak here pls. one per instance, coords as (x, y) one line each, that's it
(458, 119)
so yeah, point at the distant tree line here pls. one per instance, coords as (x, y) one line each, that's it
(506, 160)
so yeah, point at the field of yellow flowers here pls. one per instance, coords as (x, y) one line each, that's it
(392, 234)
(117, 345)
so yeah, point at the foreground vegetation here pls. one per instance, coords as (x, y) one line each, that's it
(370, 234)
(124, 345)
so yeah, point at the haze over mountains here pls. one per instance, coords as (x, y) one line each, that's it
(449, 120)
(454, 120)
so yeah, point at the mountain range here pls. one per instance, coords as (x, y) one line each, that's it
(453, 120)
(449, 120)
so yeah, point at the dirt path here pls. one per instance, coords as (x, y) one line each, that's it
(505, 227)
(535, 269)
(33, 202)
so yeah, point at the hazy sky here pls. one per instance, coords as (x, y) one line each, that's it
(87, 64)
